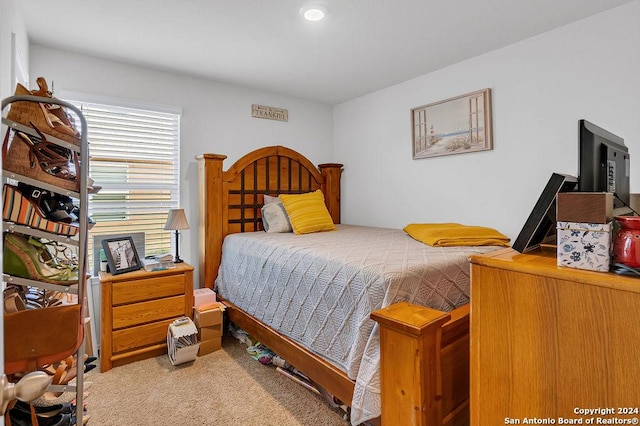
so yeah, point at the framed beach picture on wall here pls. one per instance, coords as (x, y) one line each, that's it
(453, 126)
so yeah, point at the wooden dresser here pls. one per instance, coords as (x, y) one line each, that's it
(137, 308)
(548, 341)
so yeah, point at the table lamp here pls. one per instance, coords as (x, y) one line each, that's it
(176, 220)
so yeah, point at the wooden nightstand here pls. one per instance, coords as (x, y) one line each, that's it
(137, 308)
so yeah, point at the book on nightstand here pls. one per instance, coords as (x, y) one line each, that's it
(158, 262)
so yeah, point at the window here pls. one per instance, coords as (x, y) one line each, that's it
(134, 155)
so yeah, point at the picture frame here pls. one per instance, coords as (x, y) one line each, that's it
(122, 255)
(453, 126)
(540, 227)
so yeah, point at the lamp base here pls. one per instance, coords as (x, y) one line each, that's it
(177, 256)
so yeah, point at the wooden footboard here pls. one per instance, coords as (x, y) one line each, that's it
(424, 358)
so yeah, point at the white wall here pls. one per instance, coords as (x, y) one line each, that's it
(216, 117)
(541, 88)
(11, 27)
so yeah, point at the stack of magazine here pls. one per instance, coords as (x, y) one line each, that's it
(158, 262)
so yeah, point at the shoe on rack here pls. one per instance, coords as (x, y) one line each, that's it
(28, 257)
(54, 253)
(92, 188)
(24, 206)
(51, 118)
(71, 362)
(72, 373)
(51, 398)
(40, 159)
(41, 298)
(20, 418)
(58, 110)
(56, 207)
(47, 411)
(13, 301)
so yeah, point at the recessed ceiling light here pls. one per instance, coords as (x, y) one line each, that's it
(313, 13)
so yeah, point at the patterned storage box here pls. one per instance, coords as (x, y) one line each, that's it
(584, 245)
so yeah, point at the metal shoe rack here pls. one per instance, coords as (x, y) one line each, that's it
(78, 241)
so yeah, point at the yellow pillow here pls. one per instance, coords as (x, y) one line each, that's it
(307, 212)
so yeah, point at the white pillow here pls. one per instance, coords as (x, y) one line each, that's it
(268, 199)
(274, 217)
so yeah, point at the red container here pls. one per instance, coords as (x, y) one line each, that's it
(626, 246)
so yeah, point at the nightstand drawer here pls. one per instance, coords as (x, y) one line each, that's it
(147, 289)
(144, 312)
(140, 336)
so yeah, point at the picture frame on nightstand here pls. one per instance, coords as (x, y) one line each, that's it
(121, 255)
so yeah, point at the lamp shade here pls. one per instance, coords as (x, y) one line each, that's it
(176, 219)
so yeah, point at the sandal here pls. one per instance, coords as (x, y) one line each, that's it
(51, 398)
(52, 369)
(25, 208)
(56, 207)
(13, 302)
(51, 117)
(91, 187)
(53, 159)
(65, 374)
(41, 298)
(59, 111)
(55, 253)
(28, 257)
(18, 417)
(41, 160)
(48, 411)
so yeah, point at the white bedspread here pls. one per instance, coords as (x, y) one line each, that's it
(319, 289)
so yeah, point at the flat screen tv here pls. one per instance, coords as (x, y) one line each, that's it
(603, 163)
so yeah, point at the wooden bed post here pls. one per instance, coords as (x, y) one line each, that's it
(210, 205)
(410, 378)
(331, 173)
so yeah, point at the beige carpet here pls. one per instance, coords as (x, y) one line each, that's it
(226, 387)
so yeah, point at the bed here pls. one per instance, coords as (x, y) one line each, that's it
(398, 352)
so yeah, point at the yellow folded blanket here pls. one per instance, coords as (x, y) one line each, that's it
(455, 234)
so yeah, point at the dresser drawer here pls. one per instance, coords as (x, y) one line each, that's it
(140, 336)
(144, 312)
(147, 289)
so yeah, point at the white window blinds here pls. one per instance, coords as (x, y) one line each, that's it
(134, 155)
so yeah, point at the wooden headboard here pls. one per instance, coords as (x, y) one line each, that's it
(230, 201)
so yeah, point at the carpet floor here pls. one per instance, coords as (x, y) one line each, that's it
(226, 387)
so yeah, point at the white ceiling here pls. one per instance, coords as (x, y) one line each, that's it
(361, 46)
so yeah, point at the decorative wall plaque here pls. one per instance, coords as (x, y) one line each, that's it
(271, 113)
